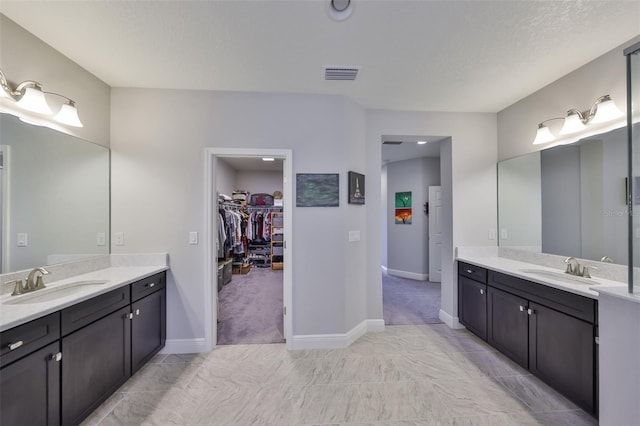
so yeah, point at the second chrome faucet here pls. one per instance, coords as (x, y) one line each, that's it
(33, 282)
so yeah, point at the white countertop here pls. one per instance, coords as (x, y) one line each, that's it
(620, 293)
(517, 269)
(12, 315)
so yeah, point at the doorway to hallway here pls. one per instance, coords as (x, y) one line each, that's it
(412, 229)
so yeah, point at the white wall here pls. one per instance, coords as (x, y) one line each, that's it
(473, 179)
(226, 177)
(158, 194)
(259, 182)
(408, 244)
(25, 57)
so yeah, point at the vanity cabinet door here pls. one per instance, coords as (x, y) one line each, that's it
(148, 328)
(30, 389)
(562, 353)
(472, 305)
(507, 325)
(96, 361)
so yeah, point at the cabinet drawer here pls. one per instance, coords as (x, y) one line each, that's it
(471, 271)
(146, 286)
(575, 305)
(28, 337)
(84, 313)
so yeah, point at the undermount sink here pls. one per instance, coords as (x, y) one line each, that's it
(52, 293)
(560, 276)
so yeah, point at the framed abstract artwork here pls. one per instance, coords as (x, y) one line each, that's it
(317, 190)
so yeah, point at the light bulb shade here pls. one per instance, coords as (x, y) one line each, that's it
(572, 124)
(543, 135)
(68, 115)
(606, 111)
(33, 100)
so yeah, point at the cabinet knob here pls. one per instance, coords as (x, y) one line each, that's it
(481, 291)
(130, 315)
(15, 345)
(56, 357)
(521, 308)
(469, 271)
(137, 311)
(152, 285)
(531, 311)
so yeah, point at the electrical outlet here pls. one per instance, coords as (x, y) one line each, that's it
(119, 238)
(492, 233)
(503, 234)
(101, 239)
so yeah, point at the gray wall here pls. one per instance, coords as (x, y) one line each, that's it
(159, 169)
(408, 244)
(226, 177)
(259, 182)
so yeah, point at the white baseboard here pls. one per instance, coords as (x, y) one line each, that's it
(337, 340)
(184, 346)
(409, 275)
(452, 322)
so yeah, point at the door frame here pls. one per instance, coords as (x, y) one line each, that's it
(211, 231)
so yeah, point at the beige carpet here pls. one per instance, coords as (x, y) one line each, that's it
(250, 308)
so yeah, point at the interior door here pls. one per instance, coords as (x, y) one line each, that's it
(435, 234)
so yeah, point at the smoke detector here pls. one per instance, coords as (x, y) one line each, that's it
(339, 10)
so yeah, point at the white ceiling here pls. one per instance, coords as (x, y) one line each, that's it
(478, 56)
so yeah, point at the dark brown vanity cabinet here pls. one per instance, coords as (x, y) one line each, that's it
(549, 331)
(508, 325)
(30, 374)
(148, 319)
(59, 368)
(472, 298)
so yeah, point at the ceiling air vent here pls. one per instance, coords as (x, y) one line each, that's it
(340, 73)
(391, 142)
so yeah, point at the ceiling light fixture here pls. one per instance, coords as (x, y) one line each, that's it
(422, 142)
(29, 96)
(602, 110)
(268, 159)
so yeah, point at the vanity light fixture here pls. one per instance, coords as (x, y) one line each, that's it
(602, 110)
(29, 96)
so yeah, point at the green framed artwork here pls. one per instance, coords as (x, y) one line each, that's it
(403, 199)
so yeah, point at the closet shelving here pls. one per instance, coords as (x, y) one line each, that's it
(277, 240)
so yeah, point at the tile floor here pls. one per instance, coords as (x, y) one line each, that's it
(407, 375)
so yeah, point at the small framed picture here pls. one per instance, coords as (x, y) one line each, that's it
(356, 188)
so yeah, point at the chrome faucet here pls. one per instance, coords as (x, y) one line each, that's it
(573, 266)
(36, 283)
(33, 282)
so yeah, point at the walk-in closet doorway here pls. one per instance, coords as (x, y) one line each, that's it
(215, 161)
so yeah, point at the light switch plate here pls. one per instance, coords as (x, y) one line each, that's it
(504, 234)
(492, 233)
(119, 238)
(193, 238)
(354, 236)
(101, 239)
(22, 240)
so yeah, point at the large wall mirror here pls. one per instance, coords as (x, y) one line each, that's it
(567, 200)
(55, 196)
